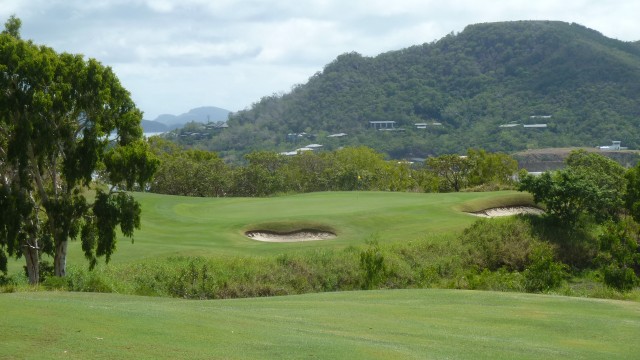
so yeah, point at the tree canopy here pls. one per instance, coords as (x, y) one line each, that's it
(591, 185)
(58, 115)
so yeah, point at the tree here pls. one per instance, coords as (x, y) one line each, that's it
(188, 173)
(619, 255)
(453, 170)
(12, 27)
(490, 168)
(591, 185)
(57, 112)
(632, 195)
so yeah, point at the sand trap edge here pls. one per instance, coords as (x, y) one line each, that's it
(293, 236)
(508, 211)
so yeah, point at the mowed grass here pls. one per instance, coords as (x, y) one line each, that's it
(175, 225)
(392, 324)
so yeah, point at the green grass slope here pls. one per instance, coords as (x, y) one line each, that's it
(174, 225)
(404, 324)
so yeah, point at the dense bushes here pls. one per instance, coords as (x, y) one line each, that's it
(520, 253)
(499, 243)
(495, 254)
(619, 255)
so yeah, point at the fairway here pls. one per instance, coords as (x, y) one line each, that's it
(392, 324)
(175, 225)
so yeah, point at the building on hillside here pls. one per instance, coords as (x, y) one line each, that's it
(382, 125)
(220, 125)
(615, 145)
(535, 126)
(337, 135)
(425, 125)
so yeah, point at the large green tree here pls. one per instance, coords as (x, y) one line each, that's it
(591, 186)
(452, 170)
(188, 172)
(63, 117)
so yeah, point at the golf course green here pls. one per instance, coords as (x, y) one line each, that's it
(175, 225)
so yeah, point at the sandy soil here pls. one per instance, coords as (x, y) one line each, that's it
(508, 211)
(304, 235)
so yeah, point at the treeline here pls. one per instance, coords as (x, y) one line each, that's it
(203, 173)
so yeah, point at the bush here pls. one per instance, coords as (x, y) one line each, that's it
(191, 281)
(619, 277)
(373, 266)
(88, 281)
(499, 243)
(56, 283)
(544, 273)
(500, 280)
(619, 255)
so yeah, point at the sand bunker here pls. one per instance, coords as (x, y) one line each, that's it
(294, 236)
(508, 211)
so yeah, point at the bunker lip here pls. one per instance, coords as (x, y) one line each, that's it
(291, 236)
(507, 211)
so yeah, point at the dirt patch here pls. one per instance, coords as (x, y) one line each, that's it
(293, 236)
(508, 211)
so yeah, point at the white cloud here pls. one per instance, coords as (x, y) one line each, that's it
(177, 54)
(162, 6)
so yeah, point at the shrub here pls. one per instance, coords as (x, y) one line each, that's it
(88, 281)
(544, 273)
(56, 283)
(192, 281)
(619, 277)
(500, 280)
(619, 254)
(372, 264)
(498, 243)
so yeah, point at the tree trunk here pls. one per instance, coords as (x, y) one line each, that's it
(60, 259)
(30, 252)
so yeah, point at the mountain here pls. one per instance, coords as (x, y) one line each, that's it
(150, 126)
(203, 114)
(505, 86)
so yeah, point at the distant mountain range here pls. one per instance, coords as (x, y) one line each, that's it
(167, 122)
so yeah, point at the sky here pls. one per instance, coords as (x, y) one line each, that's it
(175, 55)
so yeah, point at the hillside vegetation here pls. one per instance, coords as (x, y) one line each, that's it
(581, 84)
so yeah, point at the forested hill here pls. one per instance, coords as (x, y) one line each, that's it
(580, 88)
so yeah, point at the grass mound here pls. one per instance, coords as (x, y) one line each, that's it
(505, 200)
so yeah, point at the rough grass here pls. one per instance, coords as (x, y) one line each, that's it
(403, 324)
